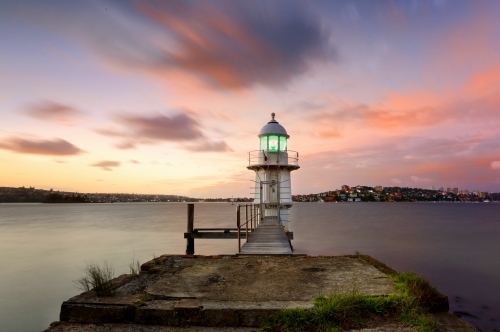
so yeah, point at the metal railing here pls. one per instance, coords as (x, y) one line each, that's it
(254, 158)
(251, 219)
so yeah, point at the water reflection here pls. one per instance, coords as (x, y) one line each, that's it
(44, 247)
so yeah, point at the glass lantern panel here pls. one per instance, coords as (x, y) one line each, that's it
(282, 143)
(273, 144)
(263, 143)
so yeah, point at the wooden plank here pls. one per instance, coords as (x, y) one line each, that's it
(211, 235)
(215, 229)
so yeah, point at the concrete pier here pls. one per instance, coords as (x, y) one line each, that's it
(230, 293)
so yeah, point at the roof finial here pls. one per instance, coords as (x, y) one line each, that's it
(273, 115)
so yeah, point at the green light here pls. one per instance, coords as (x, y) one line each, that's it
(263, 143)
(282, 143)
(273, 143)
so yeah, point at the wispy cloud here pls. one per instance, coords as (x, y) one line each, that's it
(53, 111)
(210, 146)
(54, 147)
(231, 45)
(181, 127)
(175, 128)
(237, 44)
(106, 165)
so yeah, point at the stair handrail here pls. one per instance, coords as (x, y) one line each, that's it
(254, 215)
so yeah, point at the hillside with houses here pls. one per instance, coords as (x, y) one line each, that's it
(398, 194)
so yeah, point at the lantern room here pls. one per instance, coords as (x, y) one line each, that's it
(273, 137)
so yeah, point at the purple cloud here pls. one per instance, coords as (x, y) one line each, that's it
(180, 127)
(210, 146)
(55, 147)
(227, 44)
(52, 111)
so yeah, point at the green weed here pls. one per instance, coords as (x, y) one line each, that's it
(98, 279)
(414, 300)
(134, 267)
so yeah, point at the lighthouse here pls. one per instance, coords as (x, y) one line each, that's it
(272, 165)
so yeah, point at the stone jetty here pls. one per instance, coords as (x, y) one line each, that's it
(231, 293)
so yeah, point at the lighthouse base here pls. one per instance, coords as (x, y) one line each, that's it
(274, 216)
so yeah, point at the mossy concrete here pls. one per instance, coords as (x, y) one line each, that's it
(223, 291)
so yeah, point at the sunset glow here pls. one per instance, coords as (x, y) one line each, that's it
(168, 97)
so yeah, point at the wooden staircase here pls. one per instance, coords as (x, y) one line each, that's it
(269, 238)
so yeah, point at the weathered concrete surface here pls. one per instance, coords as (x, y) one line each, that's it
(223, 291)
(451, 323)
(268, 278)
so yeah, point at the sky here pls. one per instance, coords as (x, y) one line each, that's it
(168, 97)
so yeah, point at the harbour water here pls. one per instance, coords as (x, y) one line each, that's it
(44, 247)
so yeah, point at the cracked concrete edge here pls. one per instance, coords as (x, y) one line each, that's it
(181, 312)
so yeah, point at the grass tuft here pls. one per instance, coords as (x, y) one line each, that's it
(332, 313)
(135, 267)
(98, 279)
(413, 302)
(156, 260)
(413, 285)
(418, 299)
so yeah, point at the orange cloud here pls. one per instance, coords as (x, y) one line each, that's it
(333, 133)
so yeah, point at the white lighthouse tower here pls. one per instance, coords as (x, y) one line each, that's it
(272, 164)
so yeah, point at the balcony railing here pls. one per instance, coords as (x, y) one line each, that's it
(256, 158)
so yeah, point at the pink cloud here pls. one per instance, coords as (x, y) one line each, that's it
(466, 162)
(495, 165)
(418, 179)
(54, 147)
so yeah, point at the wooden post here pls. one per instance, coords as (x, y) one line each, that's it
(238, 225)
(190, 227)
(251, 217)
(255, 216)
(246, 220)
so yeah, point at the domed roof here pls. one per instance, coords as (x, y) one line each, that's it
(273, 127)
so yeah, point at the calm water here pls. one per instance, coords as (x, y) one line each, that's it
(43, 248)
